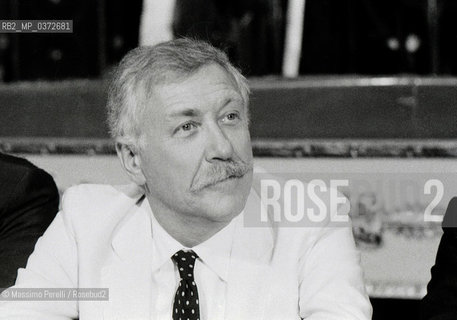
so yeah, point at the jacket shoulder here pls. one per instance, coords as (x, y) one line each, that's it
(22, 183)
(450, 217)
(89, 205)
(94, 195)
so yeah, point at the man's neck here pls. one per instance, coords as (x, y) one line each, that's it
(190, 231)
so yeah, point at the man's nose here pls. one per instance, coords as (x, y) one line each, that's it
(219, 146)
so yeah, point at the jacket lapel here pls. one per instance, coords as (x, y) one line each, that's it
(250, 269)
(128, 271)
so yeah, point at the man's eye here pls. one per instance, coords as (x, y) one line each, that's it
(232, 116)
(187, 126)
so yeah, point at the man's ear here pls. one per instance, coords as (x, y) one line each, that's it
(131, 162)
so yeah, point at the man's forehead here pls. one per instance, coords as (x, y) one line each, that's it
(208, 74)
(185, 109)
(210, 88)
(214, 85)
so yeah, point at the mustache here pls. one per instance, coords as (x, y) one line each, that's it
(218, 172)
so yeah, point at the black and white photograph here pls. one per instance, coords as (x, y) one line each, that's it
(238, 160)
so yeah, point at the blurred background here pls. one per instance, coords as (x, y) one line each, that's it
(367, 37)
(366, 88)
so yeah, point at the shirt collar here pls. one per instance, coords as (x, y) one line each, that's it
(214, 252)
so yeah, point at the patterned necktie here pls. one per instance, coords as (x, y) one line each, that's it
(186, 302)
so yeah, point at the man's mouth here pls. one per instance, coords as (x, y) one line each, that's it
(221, 177)
(220, 182)
(229, 178)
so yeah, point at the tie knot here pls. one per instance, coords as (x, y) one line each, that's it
(185, 260)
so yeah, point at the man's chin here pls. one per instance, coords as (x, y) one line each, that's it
(225, 199)
(222, 206)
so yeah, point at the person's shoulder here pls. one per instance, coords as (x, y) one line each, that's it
(87, 207)
(99, 195)
(20, 179)
(450, 217)
(13, 166)
(10, 160)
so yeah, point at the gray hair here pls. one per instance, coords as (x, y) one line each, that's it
(164, 63)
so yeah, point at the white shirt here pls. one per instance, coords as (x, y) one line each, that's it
(210, 271)
(102, 239)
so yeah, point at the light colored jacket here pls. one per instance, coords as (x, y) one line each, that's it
(102, 239)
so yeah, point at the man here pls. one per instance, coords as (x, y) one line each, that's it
(440, 303)
(174, 245)
(28, 202)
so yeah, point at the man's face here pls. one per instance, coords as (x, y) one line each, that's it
(197, 155)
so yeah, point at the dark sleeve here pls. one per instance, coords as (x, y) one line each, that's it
(30, 207)
(440, 303)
